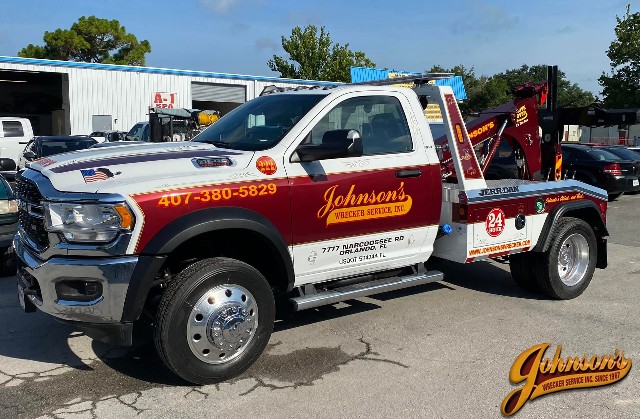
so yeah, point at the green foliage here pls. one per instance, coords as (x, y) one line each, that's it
(92, 40)
(569, 94)
(315, 57)
(486, 92)
(621, 89)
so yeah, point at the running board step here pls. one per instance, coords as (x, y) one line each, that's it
(363, 289)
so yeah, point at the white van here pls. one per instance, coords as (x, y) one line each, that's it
(15, 133)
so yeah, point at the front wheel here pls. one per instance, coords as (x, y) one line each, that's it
(564, 271)
(214, 320)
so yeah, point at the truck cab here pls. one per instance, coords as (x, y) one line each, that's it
(139, 132)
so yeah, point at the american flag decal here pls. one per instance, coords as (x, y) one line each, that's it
(93, 175)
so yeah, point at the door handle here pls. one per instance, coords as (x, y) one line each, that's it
(408, 173)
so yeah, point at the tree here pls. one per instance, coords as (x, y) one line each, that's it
(92, 40)
(486, 92)
(314, 57)
(477, 88)
(621, 89)
(569, 94)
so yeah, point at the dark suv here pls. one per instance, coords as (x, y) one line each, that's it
(598, 167)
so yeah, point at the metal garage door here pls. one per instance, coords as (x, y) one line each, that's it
(209, 92)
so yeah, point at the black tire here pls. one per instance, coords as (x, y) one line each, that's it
(205, 284)
(8, 263)
(614, 196)
(520, 266)
(574, 236)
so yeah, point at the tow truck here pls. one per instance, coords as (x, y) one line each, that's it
(320, 195)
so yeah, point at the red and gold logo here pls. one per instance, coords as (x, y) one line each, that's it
(544, 376)
(521, 116)
(266, 165)
(353, 206)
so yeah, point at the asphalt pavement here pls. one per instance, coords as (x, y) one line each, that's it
(443, 350)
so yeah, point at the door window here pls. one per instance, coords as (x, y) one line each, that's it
(380, 121)
(12, 129)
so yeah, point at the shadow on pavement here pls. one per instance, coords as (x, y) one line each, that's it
(33, 336)
(484, 277)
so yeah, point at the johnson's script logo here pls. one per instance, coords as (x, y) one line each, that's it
(544, 376)
(353, 206)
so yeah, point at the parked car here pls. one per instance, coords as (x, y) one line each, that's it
(8, 227)
(626, 154)
(599, 167)
(117, 144)
(45, 146)
(139, 132)
(503, 165)
(634, 149)
(108, 136)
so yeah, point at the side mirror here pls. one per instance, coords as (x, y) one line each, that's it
(29, 155)
(335, 144)
(7, 165)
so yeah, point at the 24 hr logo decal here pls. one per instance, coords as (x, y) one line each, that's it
(495, 222)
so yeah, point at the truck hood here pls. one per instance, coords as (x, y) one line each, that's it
(136, 168)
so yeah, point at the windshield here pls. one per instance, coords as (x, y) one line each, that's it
(48, 148)
(260, 123)
(135, 134)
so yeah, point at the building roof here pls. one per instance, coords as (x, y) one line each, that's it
(154, 70)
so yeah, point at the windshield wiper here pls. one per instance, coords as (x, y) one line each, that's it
(219, 143)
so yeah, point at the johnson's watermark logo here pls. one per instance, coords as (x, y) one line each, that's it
(544, 376)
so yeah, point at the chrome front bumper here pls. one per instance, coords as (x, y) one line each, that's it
(40, 278)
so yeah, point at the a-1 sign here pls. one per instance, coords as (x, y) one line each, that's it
(164, 100)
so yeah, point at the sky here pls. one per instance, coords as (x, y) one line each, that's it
(240, 36)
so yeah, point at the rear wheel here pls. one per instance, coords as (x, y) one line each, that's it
(214, 320)
(564, 271)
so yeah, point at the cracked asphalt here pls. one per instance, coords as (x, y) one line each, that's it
(443, 350)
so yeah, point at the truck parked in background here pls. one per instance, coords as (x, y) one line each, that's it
(15, 133)
(166, 125)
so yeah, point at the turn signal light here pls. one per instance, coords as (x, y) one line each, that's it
(613, 169)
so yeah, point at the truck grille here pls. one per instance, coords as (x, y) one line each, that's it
(30, 212)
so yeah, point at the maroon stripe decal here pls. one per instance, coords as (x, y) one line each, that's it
(477, 212)
(139, 158)
(463, 144)
(269, 198)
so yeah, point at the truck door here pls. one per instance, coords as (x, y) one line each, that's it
(355, 215)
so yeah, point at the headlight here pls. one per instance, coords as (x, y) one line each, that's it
(8, 207)
(88, 222)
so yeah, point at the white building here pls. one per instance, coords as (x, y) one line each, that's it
(63, 97)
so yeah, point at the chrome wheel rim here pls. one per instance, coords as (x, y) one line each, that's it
(573, 260)
(222, 324)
